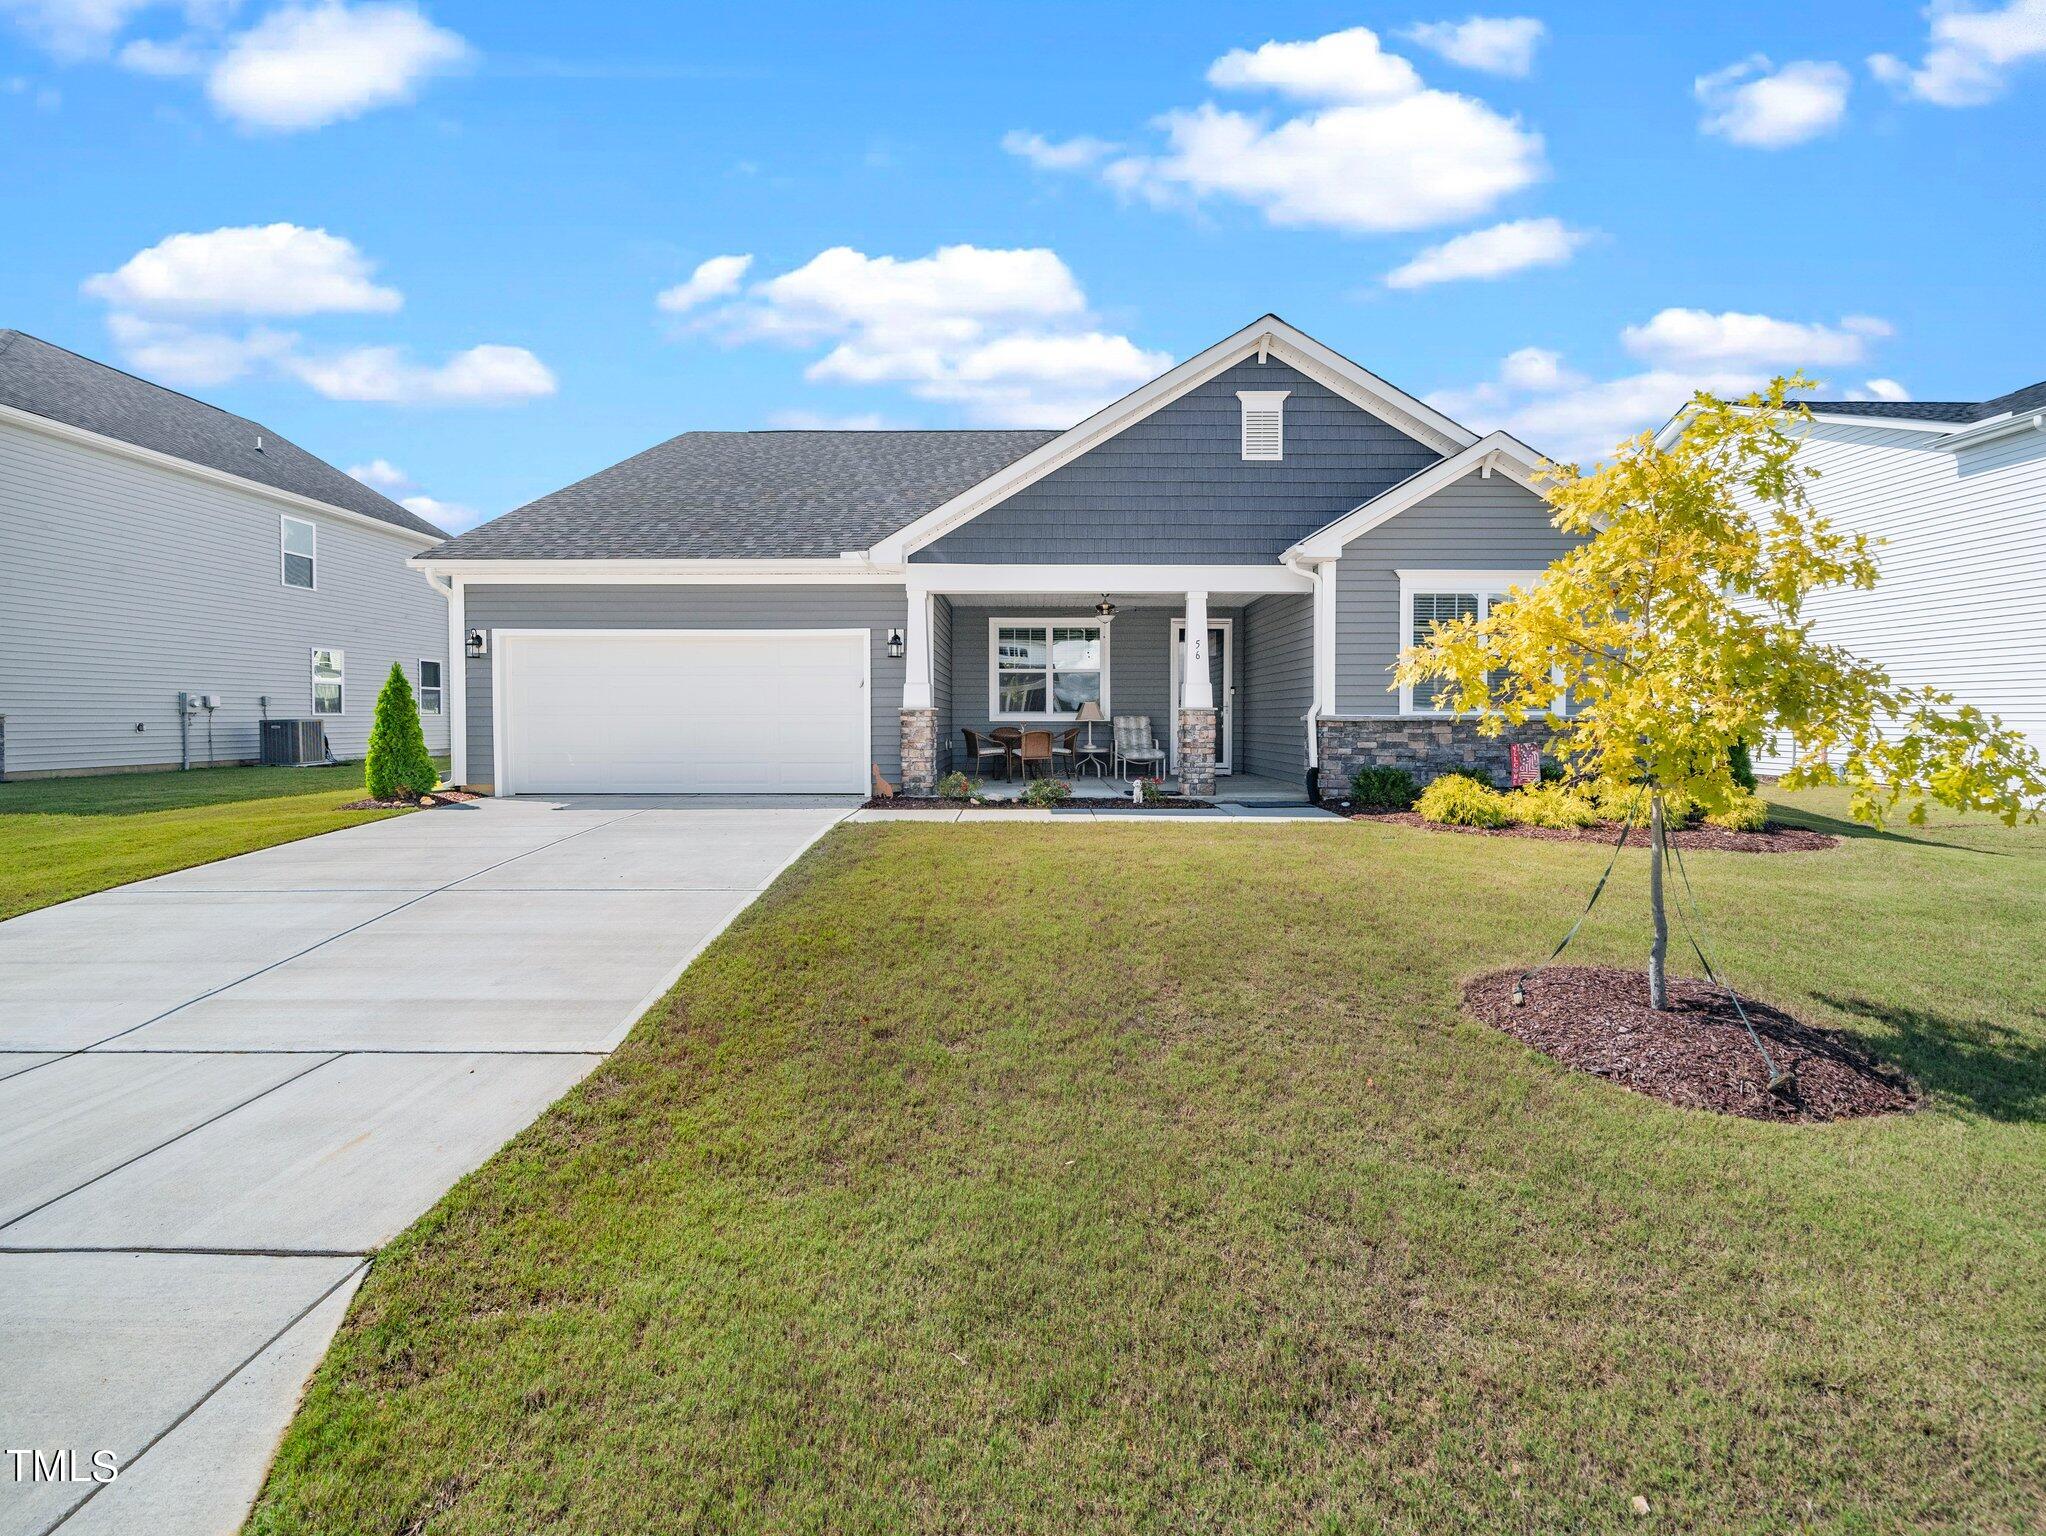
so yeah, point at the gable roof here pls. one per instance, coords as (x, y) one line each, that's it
(747, 496)
(1496, 450)
(57, 385)
(1268, 335)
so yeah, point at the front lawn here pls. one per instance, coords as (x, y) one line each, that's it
(61, 838)
(1125, 1178)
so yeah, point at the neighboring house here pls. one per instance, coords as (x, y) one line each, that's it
(1956, 491)
(1237, 551)
(152, 546)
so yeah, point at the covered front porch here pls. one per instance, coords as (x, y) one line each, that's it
(1219, 677)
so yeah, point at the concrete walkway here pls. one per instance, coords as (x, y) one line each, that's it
(222, 1090)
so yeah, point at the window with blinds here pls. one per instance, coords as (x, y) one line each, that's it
(1264, 423)
(1430, 609)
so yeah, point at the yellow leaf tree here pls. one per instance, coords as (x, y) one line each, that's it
(1677, 629)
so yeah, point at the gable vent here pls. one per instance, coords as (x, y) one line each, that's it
(1264, 423)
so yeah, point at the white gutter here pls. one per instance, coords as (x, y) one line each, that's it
(1997, 426)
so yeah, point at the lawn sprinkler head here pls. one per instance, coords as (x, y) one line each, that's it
(1519, 995)
(1784, 1083)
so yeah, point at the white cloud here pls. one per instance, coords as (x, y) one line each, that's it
(1695, 338)
(1536, 368)
(1498, 45)
(148, 56)
(268, 269)
(1374, 150)
(306, 66)
(1971, 53)
(1484, 254)
(381, 475)
(827, 421)
(716, 278)
(1005, 335)
(177, 354)
(1075, 154)
(485, 375)
(1756, 104)
(448, 516)
(74, 29)
(1886, 389)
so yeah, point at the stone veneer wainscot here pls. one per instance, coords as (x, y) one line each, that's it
(1426, 748)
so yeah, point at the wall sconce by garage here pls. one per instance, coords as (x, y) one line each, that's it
(1105, 609)
(476, 643)
(898, 645)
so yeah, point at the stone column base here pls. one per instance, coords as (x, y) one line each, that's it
(920, 752)
(1424, 746)
(1197, 753)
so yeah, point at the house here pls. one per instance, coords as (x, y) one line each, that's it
(1956, 492)
(172, 574)
(1236, 551)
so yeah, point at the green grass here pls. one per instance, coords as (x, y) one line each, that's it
(1110, 1178)
(61, 838)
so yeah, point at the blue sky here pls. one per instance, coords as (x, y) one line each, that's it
(440, 237)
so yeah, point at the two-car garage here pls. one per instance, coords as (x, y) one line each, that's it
(681, 711)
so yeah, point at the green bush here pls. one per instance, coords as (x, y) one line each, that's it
(1459, 800)
(1472, 774)
(1614, 798)
(1551, 805)
(1044, 792)
(957, 786)
(397, 762)
(1151, 791)
(1749, 812)
(1742, 765)
(1383, 789)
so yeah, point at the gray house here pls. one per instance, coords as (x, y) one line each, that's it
(155, 549)
(1235, 553)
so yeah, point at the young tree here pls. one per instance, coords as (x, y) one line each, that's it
(397, 758)
(1677, 631)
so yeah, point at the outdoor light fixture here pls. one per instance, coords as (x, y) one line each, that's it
(896, 645)
(476, 643)
(1105, 608)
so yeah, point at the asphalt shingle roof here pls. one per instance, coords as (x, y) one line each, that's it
(48, 381)
(748, 496)
(2031, 397)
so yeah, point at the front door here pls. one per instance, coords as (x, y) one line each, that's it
(1222, 678)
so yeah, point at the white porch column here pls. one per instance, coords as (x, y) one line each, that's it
(1196, 690)
(916, 661)
(1325, 639)
(456, 682)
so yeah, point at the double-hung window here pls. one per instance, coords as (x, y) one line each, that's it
(1046, 668)
(327, 682)
(299, 539)
(429, 687)
(1428, 598)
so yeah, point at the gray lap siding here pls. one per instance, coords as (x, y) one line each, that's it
(876, 608)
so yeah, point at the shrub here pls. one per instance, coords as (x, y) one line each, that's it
(1552, 771)
(1458, 800)
(1551, 805)
(1614, 798)
(1047, 792)
(1151, 791)
(957, 786)
(397, 762)
(1742, 765)
(1468, 773)
(1383, 789)
(1748, 812)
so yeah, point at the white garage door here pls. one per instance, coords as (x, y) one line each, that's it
(683, 712)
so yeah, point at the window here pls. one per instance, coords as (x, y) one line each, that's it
(1045, 668)
(298, 539)
(429, 687)
(1264, 423)
(327, 669)
(1429, 598)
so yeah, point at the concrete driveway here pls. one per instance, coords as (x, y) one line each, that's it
(222, 1090)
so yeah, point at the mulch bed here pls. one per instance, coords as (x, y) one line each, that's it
(1694, 1054)
(1772, 839)
(1078, 802)
(424, 802)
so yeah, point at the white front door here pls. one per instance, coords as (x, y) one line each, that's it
(1222, 677)
(682, 711)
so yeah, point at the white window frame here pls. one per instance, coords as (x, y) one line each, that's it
(284, 522)
(340, 681)
(1255, 400)
(1487, 586)
(1046, 623)
(439, 689)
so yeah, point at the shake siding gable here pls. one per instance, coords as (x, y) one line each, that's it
(122, 583)
(1174, 488)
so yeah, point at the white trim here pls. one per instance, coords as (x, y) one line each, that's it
(1224, 708)
(1498, 450)
(917, 692)
(458, 683)
(1047, 623)
(500, 702)
(441, 688)
(284, 522)
(1673, 429)
(65, 432)
(312, 681)
(1256, 400)
(1486, 586)
(1269, 336)
(1093, 580)
(1325, 639)
(1981, 432)
(833, 572)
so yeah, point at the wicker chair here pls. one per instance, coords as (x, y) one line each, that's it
(1036, 748)
(1134, 746)
(979, 750)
